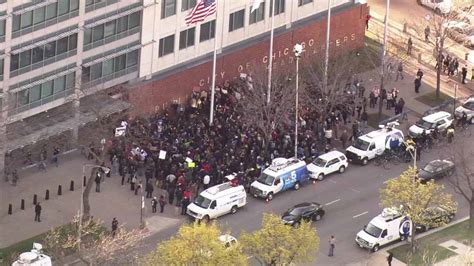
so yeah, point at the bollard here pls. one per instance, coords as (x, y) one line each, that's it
(10, 209)
(405, 27)
(35, 199)
(419, 57)
(60, 190)
(22, 204)
(46, 197)
(71, 187)
(84, 181)
(466, 56)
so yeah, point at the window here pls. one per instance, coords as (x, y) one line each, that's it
(39, 15)
(62, 45)
(35, 93)
(107, 67)
(16, 23)
(51, 11)
(120, 63)
(38, 54)
(14, 62)
(47, 89)
(2, 27)
(25, 58)
(59, 84)
(71, 80)
(26, 19)
(186, 38)
(72, 42)
(187, 4)
(109, 29)
(279, 7)
(257, 15)
(168, 8)
(63, 7)
(22, 97)
(166, 45)
(304, 2)
(86, 74)
(134, 20)
(74, 5)
(132, 58)
(98, 33)
(122, 24)
(49, 49)
(208, 31)
(96, 71)
(87, 36)
(236, 20)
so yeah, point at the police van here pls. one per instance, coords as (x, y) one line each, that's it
(217, 201)
(387, 227)
(282, 175)
(372, 144)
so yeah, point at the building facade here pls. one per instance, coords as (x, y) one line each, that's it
(53, 52)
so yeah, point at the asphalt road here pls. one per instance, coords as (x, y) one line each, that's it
(351, 200)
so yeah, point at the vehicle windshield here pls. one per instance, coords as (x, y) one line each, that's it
(373, 230)
(424, 124)
(429, 168)
(265, 179)
(319, 162)
(468, 106)
(361, 144)
(295, 211)
(202, 202)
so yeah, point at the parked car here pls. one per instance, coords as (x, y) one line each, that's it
(328, 163)
(307, 211)
(436, 169)
(441, 120)
(468, 108)
(437, 216)
(462, 32)
(227, 240)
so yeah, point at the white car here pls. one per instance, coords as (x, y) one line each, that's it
(441, 120)
(333, 161)
(439, 6)
(468, 108)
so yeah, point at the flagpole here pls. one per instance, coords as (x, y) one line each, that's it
(213, 84)
(270, 53)
(326, 61)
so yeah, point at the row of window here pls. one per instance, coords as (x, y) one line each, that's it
(186, 38)
(43, 52)
(168, 7)
(109, 67)
(45, 90)
(111, 28)
(45, 13)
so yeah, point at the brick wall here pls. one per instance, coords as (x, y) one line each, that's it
(347, 33)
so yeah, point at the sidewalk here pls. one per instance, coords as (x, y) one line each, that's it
(114, 200)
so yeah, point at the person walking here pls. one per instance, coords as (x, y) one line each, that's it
(138, 188)
(464, 74)
(419, 73)
(427, 33)
(97, 180)
(409, 46)
(154, 203)
(149, 190)
(114, 226)
(38, 212)
(132, 183)
(55, 158)
(417, 84)
(399, 71)
(162, 202)
(364, 118)
(332, 246)
(186, 200)
(389, 258)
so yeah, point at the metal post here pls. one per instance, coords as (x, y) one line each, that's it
(455, 98)
(382, 72)
(328, 34)
(296, 107)
(142, 205)
(270, 54)
(81, 210)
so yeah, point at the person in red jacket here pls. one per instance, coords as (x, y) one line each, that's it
(367, 18)
(186, 201)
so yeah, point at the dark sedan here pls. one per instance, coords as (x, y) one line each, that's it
(436, 216)
(308, 211)
(435, 170)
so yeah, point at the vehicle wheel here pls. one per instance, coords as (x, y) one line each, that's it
(296, 225)
(365, 161)
(450, 172)
(206, 219)
(403, 238)
(317, 217)
(270, 196)
(297, 185)
(375, 248)
(471, 121)
(321, 177)
(342, 169)
(233, 209)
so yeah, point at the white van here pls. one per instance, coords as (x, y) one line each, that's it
(33, 258)
(217, 201)
(387, 227)
(439, 6)
(368, 146)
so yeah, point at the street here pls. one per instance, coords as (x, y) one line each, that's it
(351, 200)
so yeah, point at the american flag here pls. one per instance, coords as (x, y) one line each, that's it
(201, 11)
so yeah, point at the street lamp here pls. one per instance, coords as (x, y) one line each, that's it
(81, 211)
(298, 50)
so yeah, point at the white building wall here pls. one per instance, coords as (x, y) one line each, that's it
(159, 28)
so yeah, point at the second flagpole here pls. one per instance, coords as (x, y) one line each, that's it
(214, 62)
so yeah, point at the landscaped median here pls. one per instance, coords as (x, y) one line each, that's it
(429, 250)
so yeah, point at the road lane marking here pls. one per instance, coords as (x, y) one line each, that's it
(332, 202)
(360, 214)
